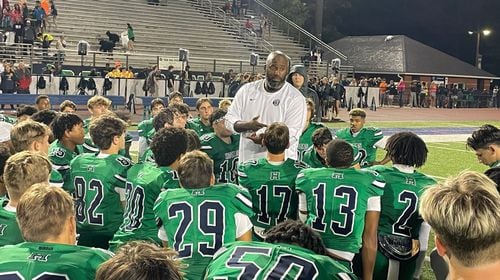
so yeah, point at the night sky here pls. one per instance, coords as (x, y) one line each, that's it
(442, 24)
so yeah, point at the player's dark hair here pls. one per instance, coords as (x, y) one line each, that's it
(217, 114)
(357, 112)
(26, 110)
(103, 129)
(41, 97)
(494, 175)
(339, 154)
(200, 101)
(166, 115)
(195, 170)
(484, 136)
(182, 108)
(124, 115)
(296, 233)
(194, 142)
(64, 122)
(67, 103)
(140, 260)
(174, 95)
(321, 136)
(168, 145)
(407, 148)
(276, 138)
(157, 101)
(44, 116)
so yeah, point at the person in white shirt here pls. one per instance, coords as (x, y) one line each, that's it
(263, 102)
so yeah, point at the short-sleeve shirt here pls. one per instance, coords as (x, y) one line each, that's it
(364, 141)
(305, 141)
(10, 233)
(199, 127)
(224, 155)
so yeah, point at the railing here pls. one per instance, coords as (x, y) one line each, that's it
(38, 58)
(300, 31)
(237, 26)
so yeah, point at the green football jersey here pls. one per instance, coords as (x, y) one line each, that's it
(97, 182)
(60, 157)
(225, 156)
(400, 201)
(198, 222)
(9, 229)
(312, 159)
(144, 127)
(364, 141)
(337, 201)
(88, 145)
(305, 140)
(144, 184)
(272, 188)
(56, 179)
(4, 118)
(30, 260)
(148, 157)
(199, 127)
(262, 261)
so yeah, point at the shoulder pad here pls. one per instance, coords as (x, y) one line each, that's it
(124, 161)
(57, 152)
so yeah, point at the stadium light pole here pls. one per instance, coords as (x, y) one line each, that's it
(485, 32)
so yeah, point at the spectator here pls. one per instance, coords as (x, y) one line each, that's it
(26, 11)
(152, 81)
(6, 17)
(23, 75)
(131, 37)
(401, 89)
(113, 37)
(39, 15)
(29, 35)
(297, 78)
(170, 78)
(249, 26)
(464, 212)
(53, 14)
(433, 93)
(382, 86)
(8, 82)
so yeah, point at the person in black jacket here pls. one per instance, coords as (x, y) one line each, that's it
(297, 78)
(113, 37)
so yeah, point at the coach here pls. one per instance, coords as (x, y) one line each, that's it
(263, 102)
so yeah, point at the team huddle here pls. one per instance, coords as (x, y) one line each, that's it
(189, 209)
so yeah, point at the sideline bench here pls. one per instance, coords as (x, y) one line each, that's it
(56, 99)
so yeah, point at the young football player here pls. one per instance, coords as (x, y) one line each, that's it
(464, 212)
(222, 147)
(305, 140)
(33, 136)
(69, 134)
(22, 170)
(144, 127)
(271, 182)
(400, 222)
(98, 182)
(201, 217)
(365, 139)
(183, 113)
(342, 204)
(144, 184)
(175, 98)
(97, 106)
(315, 156)
(486, 143)
(292, 251)
(201, 124)
(46, 216)
(142, 261)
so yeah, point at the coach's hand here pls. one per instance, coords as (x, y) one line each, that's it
(256, 138)
(249, 126)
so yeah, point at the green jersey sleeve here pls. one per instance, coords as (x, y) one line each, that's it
(144, 127)
(10, 233)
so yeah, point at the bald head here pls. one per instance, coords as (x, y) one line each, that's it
(277, 68)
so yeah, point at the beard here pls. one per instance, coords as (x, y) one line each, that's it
(274, 85)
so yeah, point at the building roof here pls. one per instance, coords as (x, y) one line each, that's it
(400, 54)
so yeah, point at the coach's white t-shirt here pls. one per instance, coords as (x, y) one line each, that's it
(286, 105)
